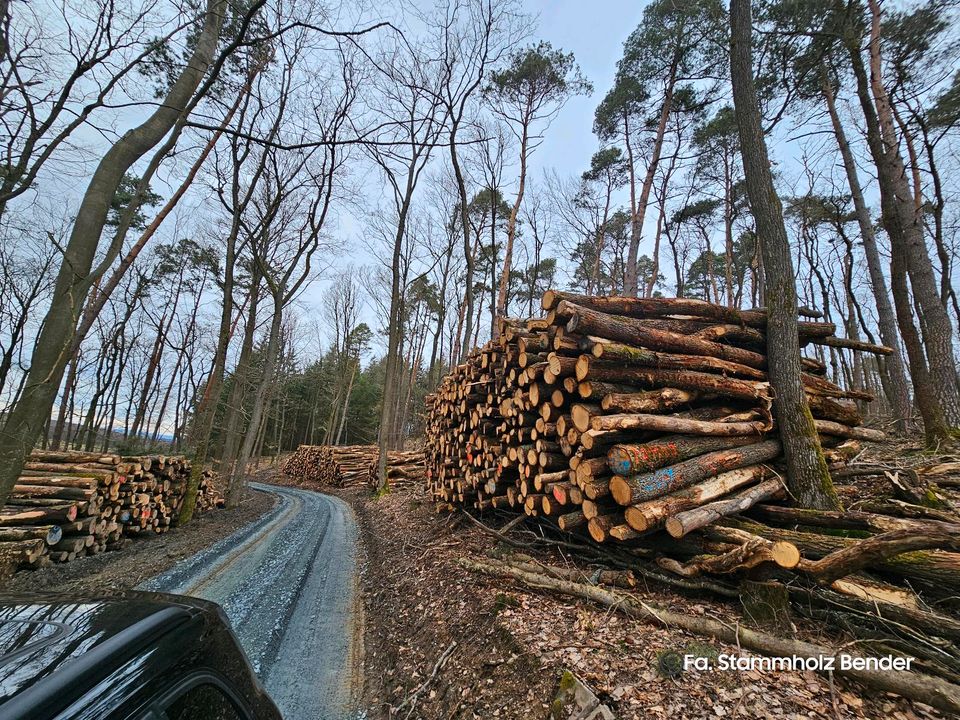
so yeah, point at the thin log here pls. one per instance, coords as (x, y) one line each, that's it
(694, 518)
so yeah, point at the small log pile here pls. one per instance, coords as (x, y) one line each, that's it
(312, 464)
(405, 470)
(209, 495)
(71, 504)
(343, 466)
(647, 424)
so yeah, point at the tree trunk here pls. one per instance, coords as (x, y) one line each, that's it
(639, 212)
(903, 224)
(807, 474)
(512, 225)
(237, 481)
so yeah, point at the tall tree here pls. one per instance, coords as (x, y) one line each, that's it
(910, 260)
(898, 391)
(528, 94)
(411, 111)
(807, 474)
(674, 44)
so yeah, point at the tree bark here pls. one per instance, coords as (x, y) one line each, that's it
(807, 474)
(639, 488)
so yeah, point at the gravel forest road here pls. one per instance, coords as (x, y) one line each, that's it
(287, 581)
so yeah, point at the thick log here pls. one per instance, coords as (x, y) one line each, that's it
(73, 456)
(651, 401)
(599, 526)
(628, 330)
(53, 491)
(653, 513)
(635, 459)
(50, 534)
(694, 518)
(672, 424)
(11, 517)
(639, 488)
(572, 520)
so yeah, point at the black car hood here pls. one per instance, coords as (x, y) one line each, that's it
(43, 634)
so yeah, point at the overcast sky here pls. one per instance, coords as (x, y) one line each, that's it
(594, 31)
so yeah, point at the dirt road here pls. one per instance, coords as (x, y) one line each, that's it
(288, 584)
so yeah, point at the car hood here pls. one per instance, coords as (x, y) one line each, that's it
(42, 634)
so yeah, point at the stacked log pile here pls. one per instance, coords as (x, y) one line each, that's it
(71, 504)
(342, 466)
(312, 464)
(647, 424)
(209, 495)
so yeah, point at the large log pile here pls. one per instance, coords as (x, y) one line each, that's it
(647, 424)
(343, 466)
(71, 504)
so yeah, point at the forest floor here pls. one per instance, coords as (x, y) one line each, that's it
(443, 642)
(143, 556)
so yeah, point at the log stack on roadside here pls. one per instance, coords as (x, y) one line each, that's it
(343, 466)
(209, 495)
(312, 464)
(647, 423)
(405, 470)
(71, 504)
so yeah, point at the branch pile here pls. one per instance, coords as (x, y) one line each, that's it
(647, 424)
(71, 504)
(343, 466)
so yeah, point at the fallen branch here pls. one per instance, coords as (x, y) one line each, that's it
(931, 690)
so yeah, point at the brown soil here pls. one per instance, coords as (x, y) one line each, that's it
(511, 644)
(142, 557)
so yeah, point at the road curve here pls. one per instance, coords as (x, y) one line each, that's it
(287, 582)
